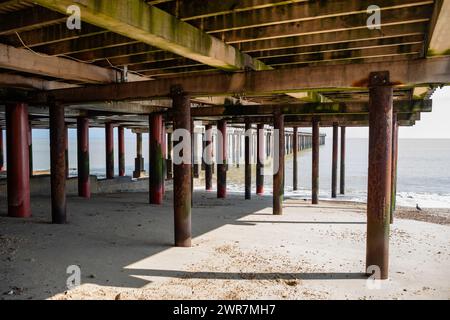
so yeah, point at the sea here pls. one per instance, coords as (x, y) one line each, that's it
(423, 168)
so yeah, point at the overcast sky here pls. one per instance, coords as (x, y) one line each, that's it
(433, 125)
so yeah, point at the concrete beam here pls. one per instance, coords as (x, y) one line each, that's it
(21, 82)
(307, 108)
(298, 11)
(138, 20)
(439, 36)
(407, 73)
(195, 9)
(27, 19)
(330, 24)
(52, 34)
(326, 119)
(340, 36)
(26, 61)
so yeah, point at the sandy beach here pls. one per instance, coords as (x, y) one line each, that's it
(123, 247)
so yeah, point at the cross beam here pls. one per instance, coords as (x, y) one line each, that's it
(340, 77)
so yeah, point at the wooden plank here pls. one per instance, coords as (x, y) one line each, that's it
(137, 20)
(332, 24)
(330, 78)
(26, 61)
(296, 12)
(439, 33)
(52, 34)
(27, 19)
(18, 81)
(307, 108)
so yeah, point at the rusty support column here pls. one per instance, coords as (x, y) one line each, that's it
(2, 158)
(248, 166)
(295, 164)
(260, 159)
(192, 160)
(196, 165)
(164, 156)
(342, 171)
(156, 158)
(315, 161)
(18, 176)
(121, 138)
(84, 183)
(30, 148)
(278, 177)
(182, 170)
(208, 157)
(394, 165)
(169, 156)
(58, 163)
(334, 161)
(139, 160)
(66, 151)
(222, 160)
(109, 142)
(379, 179)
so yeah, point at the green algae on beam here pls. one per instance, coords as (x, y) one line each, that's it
(139, 21)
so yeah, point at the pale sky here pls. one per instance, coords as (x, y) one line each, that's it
(433, 125)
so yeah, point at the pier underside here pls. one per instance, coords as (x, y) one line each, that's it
(255, 72)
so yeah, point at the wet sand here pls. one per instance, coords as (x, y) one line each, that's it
(123, 247)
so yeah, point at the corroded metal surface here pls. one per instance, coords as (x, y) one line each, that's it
(334, 161)
(222, 161)
(84, 184)
(379, 178)
(109, 142)
(278, 177)
(208, 157)
(156, 159)
(260, 159)
(248, 166)
(17, 160)
(182, 172)
(342, 169)
(315, 162)
(295, 160)
(58, 163)
(120, 131)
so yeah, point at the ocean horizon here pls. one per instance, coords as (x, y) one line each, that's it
(423, 175)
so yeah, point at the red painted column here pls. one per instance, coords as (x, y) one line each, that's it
(315, 162)
(164, 157)
(342, 171)
(334, 161)
(182, 170)
(109, 141)
(222, 157)
(278, 177)
(260, 158)
(295, 160)
(2, 158)
(58, 163)
(208, 157)
(66, 151)
(84, 183)
(156, 158)
(139, 160)
(120, 131)
(248, 166)
(394, 165)
(18, 177)
(379, 179)
(30, 148)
